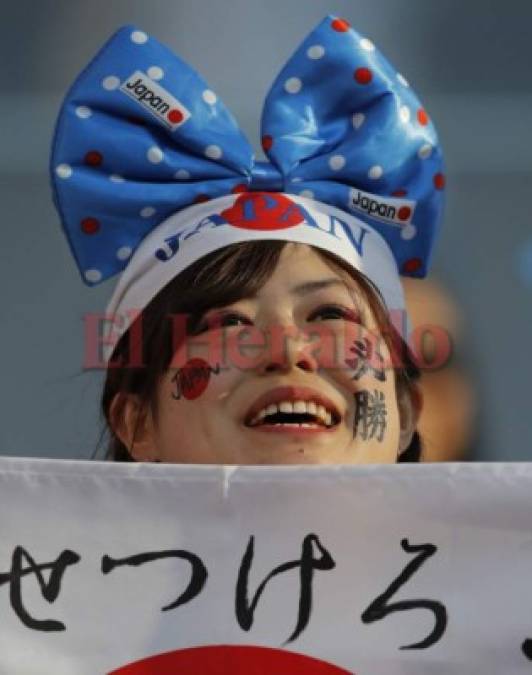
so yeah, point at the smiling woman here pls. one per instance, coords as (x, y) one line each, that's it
(255, 318)
(348, 396)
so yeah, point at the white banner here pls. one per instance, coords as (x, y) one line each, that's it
(376, 570)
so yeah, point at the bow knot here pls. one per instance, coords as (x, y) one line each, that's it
(265, 177)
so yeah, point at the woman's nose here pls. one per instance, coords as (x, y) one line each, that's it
(287, 348)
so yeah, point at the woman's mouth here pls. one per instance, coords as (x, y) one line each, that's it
(304, 414)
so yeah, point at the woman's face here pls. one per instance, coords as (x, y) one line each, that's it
(294, 375)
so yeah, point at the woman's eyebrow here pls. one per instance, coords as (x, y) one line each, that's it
(311, 286)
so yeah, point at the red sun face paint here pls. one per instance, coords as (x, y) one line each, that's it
(234, 659)
(193, 378)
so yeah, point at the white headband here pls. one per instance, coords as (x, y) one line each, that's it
(201, 229)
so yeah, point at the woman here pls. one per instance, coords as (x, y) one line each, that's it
(314, 237)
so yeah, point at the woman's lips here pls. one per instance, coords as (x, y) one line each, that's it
(294, 429)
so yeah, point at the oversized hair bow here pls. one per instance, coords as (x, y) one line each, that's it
(140, 136)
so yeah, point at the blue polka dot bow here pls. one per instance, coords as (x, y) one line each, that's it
(140, 136)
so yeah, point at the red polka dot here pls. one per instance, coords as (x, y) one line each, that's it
(267, 142)
(412, 265)
(175, 116)
(439, 181)
(241, 187)
(340, 25)
(399, 193)
(363, 75)
(201, 198)
(93, 158)
(90, 225)
(422, 117)
(404, 213)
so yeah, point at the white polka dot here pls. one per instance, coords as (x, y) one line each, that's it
(213, 152)
(404, 114)
(293, 85)
(297, 179)
(155, 73)
(375, 172)
(367, 45)
(148, 211)
(182, 174)
(155, 155)
(63, 170)
(358, 120)
(83, 112)
(425, 151)
(110, 82)
(408, 231)
(402, 80)
(139, 37)
(315, 52)
(93, 276)
(115, 178)
(307, 193)
(337, 162)
(124, 252)
(209, 97)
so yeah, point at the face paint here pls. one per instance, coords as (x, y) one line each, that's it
(370, 415)
(192, 380)
(366, 358)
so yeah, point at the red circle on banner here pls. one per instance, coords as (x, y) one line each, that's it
(363, 75)
(263, 211)
(175, 116)
(234, 659)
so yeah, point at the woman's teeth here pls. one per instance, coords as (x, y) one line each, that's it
(322, 416)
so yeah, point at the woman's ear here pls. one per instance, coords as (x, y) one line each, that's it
(132, 422)
(410, 403)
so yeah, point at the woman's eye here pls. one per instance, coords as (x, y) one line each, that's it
(335, 312)
(222, 321)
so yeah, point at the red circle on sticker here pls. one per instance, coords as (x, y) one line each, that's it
(230, 659)
(340, 25)
(193, 378)
(267, 142)
(422, 117)
(412, 265)
(363, 75)
(175, 116)
(439, 181)
(263, 211)
(90, 225)
(404, 213)
(93, 158)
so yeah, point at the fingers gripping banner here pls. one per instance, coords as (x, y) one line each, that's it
(388, 570)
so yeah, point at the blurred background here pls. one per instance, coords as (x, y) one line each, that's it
(470, 63)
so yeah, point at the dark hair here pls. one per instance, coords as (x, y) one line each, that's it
(218, 279)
